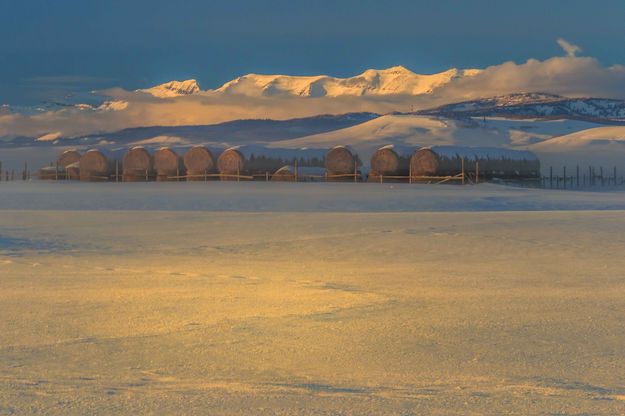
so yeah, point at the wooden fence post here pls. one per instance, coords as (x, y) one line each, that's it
(577, 174)
(462, 160)
(355, 172)
(601, 172)
(550, 176)
(477, 172)
(564, 175)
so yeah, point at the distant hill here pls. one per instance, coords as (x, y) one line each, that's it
(536, 105)
(232, 132)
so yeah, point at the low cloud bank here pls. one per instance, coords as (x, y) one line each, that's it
(568, 75)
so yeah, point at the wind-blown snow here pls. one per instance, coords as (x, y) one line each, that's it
(286, 310)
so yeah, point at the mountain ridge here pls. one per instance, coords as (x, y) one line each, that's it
(396, 80)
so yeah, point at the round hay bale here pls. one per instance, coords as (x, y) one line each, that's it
(166, 164)
(137, 165)
(390, 160)
(424, 162)
(199, 160)
(231, 162)
(341, 160)
(284, 174)
(68, 157)
(94, 166)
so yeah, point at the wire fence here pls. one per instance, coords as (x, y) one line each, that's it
(556, 178)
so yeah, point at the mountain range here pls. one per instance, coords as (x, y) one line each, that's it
(396, 80)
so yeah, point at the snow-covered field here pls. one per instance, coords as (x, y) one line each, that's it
(311, 299)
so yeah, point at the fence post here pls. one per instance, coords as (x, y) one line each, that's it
(601, 171)
(614, 175)
(564, 174)
(577, 174)
(477, 172)
(116, 170)
(410, 173)
(462, 160)
(296, 172)
(550, 176)
(355, 172)
(266, 176)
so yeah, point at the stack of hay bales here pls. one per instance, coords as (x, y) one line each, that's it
(261, 162)
(493, 162)
(200, 161)
(168, 164)
(342, 164)
(97, 165)
(301, 174)
(67, 167)
(391, 160)
(138, 165)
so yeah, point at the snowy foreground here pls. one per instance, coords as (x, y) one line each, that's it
(245, 299)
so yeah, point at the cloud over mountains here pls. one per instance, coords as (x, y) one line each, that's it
(283, 96)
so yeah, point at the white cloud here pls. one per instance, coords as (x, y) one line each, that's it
(568, 47)
(565, 75)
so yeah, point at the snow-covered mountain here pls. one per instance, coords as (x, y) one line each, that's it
(174, 89)
(535, 105)
(396, 80)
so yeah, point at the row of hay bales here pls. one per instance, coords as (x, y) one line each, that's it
(201, 163)
(391, 162)
(403, 162)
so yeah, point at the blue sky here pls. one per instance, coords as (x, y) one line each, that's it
(52, 48)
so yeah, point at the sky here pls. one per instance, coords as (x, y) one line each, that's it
(50, 49)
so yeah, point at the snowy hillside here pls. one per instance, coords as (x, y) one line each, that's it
(430, 131)
(601, 146)
(535, 105)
